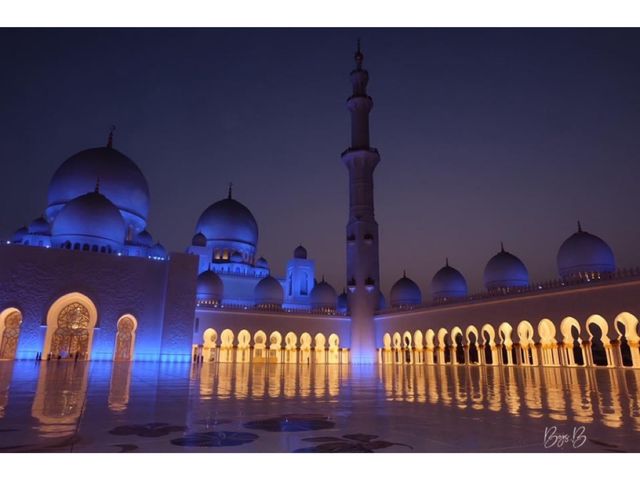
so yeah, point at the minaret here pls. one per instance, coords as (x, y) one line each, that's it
(363, 271)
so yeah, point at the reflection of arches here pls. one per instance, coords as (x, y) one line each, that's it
(397, 348)
(572, 348)
(305, 348)
(600, 352)
(209, 346)
(290, 348)
(528, 354)
(70, 323)
(259, 346)
(489, 350)
(457, 345)
(386, 356)
(275, 347)
(472, 344)
(10, 323)
(319, 344)
(626, 325)
(243, 350)
(334, 349)
(506, 343)
(125, 338)
(547, 332)
(226, 346)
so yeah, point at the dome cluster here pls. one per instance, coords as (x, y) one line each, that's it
(582, 257)
(98, 201)
(323, 297)
(210, 288)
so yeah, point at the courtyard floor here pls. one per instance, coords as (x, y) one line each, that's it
(174, 407)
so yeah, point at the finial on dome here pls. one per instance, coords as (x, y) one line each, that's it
(230, 190)
(110, 139)
(322, 279)
(446, 261)
(97, 189)
(404, 274)
(579, 226)
(358, 56)
(501, 247)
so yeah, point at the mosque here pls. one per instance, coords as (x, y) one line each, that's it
(87, 281)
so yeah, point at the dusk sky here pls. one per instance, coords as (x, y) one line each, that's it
(484, 135)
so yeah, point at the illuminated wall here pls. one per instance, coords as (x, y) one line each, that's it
(160, 294)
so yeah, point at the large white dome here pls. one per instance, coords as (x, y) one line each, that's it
(584, 254)
(405, 293)
(448, 283)
(323, 297)
(210, 287)
(505, 271)
(90, 219)
(268, 293)
(230, 221)
(121, 181)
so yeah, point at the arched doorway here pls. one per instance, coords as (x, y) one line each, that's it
(70, 324)
(626, 325)
(10, 323)
(458, 346)
(210, 345)
(125, 338)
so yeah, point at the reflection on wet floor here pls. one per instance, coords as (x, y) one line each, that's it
(610, 396)
(61, 400)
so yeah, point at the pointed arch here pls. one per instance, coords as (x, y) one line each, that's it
(473, 345)
(319, 344)
(528, 354)
(444, 353)
(407, 345)
(125, 338)
(572, 348)
(71, 320)
(305, 348)
(457, 345)
(628, 339)
(505, 331)
(290, 348)
(489, 350)
(601, 354)
(397, 347)
(548, 343)
(209, 345)
(334, 349)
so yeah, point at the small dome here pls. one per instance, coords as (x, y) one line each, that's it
(236, 257)
(19, 235)
(323, 297)
(121, 181)
(505, 271)
(92, 216)
(144, 238)
(448, 283)
(343, 302)
(39, 226)
(158, 251)
(268, 293)
(199, 240)
(300, 252)
(584, 254)
(262, 263)
(404, 293)
(229, 220)
(210, 287)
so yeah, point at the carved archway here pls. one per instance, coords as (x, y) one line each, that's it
(70, 324)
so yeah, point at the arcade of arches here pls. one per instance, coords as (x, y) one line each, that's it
(260, 348)
(574, 344)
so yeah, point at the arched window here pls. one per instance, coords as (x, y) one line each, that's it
(304, 284)
(125, 338)
(9, 333)
(70, 323)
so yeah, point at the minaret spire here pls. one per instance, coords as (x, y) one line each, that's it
(363, 269)
(110, 139)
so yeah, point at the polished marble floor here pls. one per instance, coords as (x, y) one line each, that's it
(164, 407)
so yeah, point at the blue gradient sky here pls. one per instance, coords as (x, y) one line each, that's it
(485, 135)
